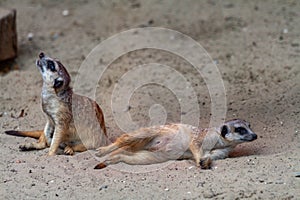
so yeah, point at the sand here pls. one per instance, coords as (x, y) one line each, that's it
(255, 46)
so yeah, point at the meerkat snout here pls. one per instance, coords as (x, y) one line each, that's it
(250, 136)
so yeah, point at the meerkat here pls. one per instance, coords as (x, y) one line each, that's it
(74, 122)
(176, 142)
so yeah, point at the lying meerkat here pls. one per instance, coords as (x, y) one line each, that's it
(175, 142)
(73, 121)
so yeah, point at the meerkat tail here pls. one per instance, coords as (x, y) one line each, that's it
(32, 134)
(100, 166)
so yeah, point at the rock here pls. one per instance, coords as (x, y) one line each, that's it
(103, 187)
(8, 34)
(30, 36)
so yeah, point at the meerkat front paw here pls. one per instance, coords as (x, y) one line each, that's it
(69, 151)
(205, 163)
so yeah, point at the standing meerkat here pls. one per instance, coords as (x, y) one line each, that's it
(73, 121)
(176, 142)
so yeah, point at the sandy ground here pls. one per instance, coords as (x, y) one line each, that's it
(256, 47)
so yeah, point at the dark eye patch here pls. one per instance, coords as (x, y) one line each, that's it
(241, 130)
(51, 65)
(224, 131)
(58, 83)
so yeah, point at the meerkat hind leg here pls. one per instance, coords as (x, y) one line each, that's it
(102, 151)
(44, 139)
(41, 144)
(79, 148)
(122, 141)
(69, 150)
(32, 146)
(142, 157)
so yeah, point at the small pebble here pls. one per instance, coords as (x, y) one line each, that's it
(30, 36)
(55, 36)
(279, 182)
(281, 123)
(150, 22)
(127, 109)
(167, 189)
(65, 13)
(285, 31)
(261, 180)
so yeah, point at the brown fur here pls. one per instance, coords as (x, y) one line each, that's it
(33, 134)
(73, 121)
(176, 141)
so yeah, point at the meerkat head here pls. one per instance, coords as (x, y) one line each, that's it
(237, 131)
(53, 72)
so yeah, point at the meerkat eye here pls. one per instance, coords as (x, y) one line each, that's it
(241, 130)
(51, 65)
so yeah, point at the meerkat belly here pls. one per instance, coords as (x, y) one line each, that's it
(172, 145)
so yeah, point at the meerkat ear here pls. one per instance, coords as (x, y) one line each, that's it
(224, 131)
(58, 83)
